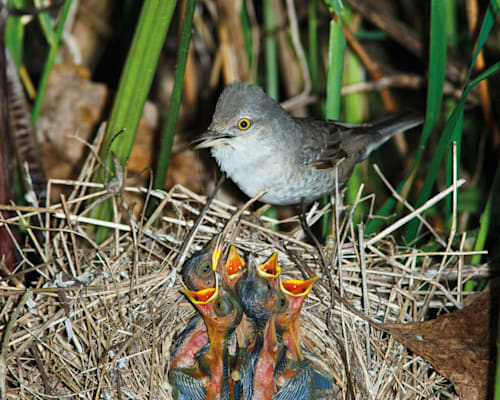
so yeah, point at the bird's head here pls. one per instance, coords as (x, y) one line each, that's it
(257, 294)
(198, 271)
(292, 296)
(243, 110)
(219, 306)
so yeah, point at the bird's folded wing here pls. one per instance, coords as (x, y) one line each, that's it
(188, 387)
(300, 387)
(329, 142)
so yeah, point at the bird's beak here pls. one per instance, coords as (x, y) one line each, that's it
(210, 139)
(204, 296)
(216, 246)
(270, 269)
(297, 288)
(234, 263)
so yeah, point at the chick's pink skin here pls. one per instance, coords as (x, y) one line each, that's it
(218, 328)
(192, 344)
(214, 356)
(264, 385)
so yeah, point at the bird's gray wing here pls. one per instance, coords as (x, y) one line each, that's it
(328, 142)
(186, 387)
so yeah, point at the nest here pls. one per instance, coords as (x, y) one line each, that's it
(98, 321)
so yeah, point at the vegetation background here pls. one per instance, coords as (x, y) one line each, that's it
(354, 60)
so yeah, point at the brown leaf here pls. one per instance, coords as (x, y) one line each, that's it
(71, 112)
(74, 106)
(461, 344)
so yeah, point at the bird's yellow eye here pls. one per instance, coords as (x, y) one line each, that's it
(244, 124)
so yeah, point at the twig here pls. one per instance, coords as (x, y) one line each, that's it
(5, 342)
(398, 197)
(179, 260)
(366, 304)
(294, 27)
(453, 229)
(429, 203)
(238, 213)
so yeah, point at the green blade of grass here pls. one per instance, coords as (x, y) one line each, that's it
(313, 57)
(451, 29)
(484, 220)
(49, 62)
(453, 129)
(45, 21)
(137, 75)
(437, 68)
(353, 110)
(14, 33)
(370, 35)
(133, 89)
(175, 101)
(271, 52)
(336, 52)
(453, 123)
(451, 23)
(486, 26)
(335, 6)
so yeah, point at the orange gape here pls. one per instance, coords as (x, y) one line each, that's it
(263, 311)
(209, 377)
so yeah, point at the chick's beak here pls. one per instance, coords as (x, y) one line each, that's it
(234, 263)
(297, 288)
(216, 246)
(203, 296)
(210, 139)
(271, 268)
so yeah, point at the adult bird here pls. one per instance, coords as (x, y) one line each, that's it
(261, 146)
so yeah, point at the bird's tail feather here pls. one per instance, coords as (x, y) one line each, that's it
(381, 131)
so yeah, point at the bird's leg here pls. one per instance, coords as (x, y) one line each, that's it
(307, 230)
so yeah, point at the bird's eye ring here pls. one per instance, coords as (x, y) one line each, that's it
(244, 124)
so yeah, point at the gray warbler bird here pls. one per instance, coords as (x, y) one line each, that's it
(261, 146)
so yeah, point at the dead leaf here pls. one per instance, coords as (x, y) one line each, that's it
(461, 344)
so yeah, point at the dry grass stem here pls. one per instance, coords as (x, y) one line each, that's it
(99, 320)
